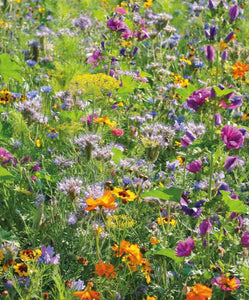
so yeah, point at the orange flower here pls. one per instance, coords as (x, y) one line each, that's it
(199, 292)
(239, 70)
(106, 201)
(105, 269)
(154, 240)
(87, 294)
(122, 249)
(105, 120)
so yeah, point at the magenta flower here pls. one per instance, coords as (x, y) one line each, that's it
(232, 137)
(195, 166)
(93, 59)
(233, 12)
(198, 98)
(210, 52)
(115, 24)
(205, 227)
(236, 102)
(121, 10)
(5, 156)
(245, 239)
(117, 132)
(185, 141)
(184, 248)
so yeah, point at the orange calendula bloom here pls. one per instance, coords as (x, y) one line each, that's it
(105, 120)
(154, 240)
(199, 292)
(105, 269)
(239, 70)
(106, 201)
(126, 195)
(87, 294)
(124, 246)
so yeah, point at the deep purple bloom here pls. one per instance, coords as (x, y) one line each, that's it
(213, 32)
(224, 55)
(239, 225)
(210, 52)
(210, 4)
(233, 12)
(232, 137)
(36, 168)
(195, 166)
(229, 37)
(136, 49)
(205, 227)
(115, 24)
(217, 119)
(233, 215)
(245, 239)
(184, 249)
(231, 162)
(198, 98)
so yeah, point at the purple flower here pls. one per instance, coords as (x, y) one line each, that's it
(217, 119)
(232, 137)
(195, 166)
(36, 168)
(236, 102)
(184, 248)
(229, 37)
(224, 55)
(210, 4)
(205, 227)
(245, 239)
(115, 24)
(48, 256)
(95, 57)
(185, 142)
(198, 98)
(231, 162)
(210, 52)
(233, 12)
(5, 156)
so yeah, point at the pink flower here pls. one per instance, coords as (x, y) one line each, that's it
(184, 248)
(232, 137)
(117, 132)
(121, 10)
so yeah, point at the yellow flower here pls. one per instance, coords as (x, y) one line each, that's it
(21, 269)
(1, 256)
(125, 195)
(154, 240)
(38, 143)
(177, 144)
(30, 255)
(105, 120)
(165, 221)
(183, 59)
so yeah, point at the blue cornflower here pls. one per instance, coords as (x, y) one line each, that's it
(31, 62)
(46, 89)
(32, 94)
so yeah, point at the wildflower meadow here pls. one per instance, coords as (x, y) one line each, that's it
(124, 140)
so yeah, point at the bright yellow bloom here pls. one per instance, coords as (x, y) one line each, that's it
(30, 255)
(1, 256)
(154, 240)
(21, 269)
(165, 221)
(125, 195)
(183, 59)
(38, 143)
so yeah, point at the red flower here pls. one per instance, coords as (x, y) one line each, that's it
(118, 132)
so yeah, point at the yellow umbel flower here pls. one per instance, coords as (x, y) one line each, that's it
(94, 84)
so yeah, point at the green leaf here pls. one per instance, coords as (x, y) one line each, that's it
(171, 254)
(117, 155)
(98, 14)
(5, 175)
(221, 93)
(169, 194)
(72, 115)
(186, 92)
(9, 69)
(236, 206)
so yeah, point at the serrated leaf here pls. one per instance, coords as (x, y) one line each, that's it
(236, 206)
(5, 175)
(9, 69)
(169, 194)
(221, 93)
(171, 254)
